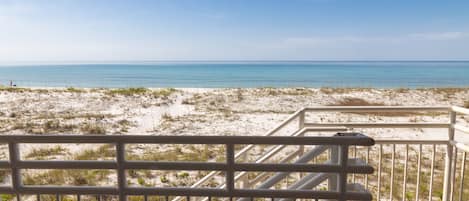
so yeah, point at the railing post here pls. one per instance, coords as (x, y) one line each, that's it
(333, 179)
(301, 125)
(15, 172)
(447, 184)
(301, 120)
(230, 161)
(244, 179)
(342, 180)
(120, 159)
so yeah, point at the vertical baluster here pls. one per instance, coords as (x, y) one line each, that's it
(379, 170)
(417, 188)
(301, 149)
(57, 197)
(343, 158)
(230, 161)
(354, 156)
(447, 186)
(432, 171)
(453, 173)
(334, 158)
(121, 180)
(78, 197)
(404, 184)
(393, 157)
(461, 184)
(367, 162)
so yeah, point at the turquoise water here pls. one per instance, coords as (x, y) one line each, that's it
(241, 74)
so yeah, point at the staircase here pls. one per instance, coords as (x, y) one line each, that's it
(324, 181)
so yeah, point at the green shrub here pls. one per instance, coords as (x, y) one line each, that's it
(74, 90)
(128, 91)
(6, 197)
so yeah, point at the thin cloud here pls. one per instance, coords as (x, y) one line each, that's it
(438, 36)
(343, 40)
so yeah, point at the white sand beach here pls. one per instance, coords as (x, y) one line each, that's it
(195, 111)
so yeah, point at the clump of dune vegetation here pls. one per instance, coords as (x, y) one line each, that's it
(47, 127)
(332, 90)
(69, 176)
(104, 152)
(43, 153)
(92, 128)
(355, 102)
(128, 91)
(163, 92)
(141, 91)
(75, 90)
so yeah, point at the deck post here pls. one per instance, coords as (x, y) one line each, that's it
(333, 179)
(15, 172)
(122, 182)
(447, 185)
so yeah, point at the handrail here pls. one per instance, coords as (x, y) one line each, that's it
(460, 110)
(376, 108)
(165, 139)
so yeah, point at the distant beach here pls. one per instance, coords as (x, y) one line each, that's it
(376, 74)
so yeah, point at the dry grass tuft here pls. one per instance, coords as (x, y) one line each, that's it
(329, 90)
(355, 102)
(448, 91)
(163, 92)
(128, 91)
(362, 102)
(42, 153)
(93, 129)
(75, 90)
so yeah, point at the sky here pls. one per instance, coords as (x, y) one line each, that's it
(136, 30)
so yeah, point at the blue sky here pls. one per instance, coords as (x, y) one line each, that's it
(118, 30)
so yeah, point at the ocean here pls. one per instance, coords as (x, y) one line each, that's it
(378, 74)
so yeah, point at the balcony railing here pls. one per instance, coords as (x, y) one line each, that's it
(342, 167)
(401, 175)
(407, 168)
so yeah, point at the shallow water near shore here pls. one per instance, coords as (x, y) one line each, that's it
(241, 74)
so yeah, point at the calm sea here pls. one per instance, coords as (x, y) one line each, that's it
(240, 74)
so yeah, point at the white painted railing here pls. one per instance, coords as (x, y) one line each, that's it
(444, 186)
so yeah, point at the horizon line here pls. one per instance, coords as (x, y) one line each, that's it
(44, 62)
